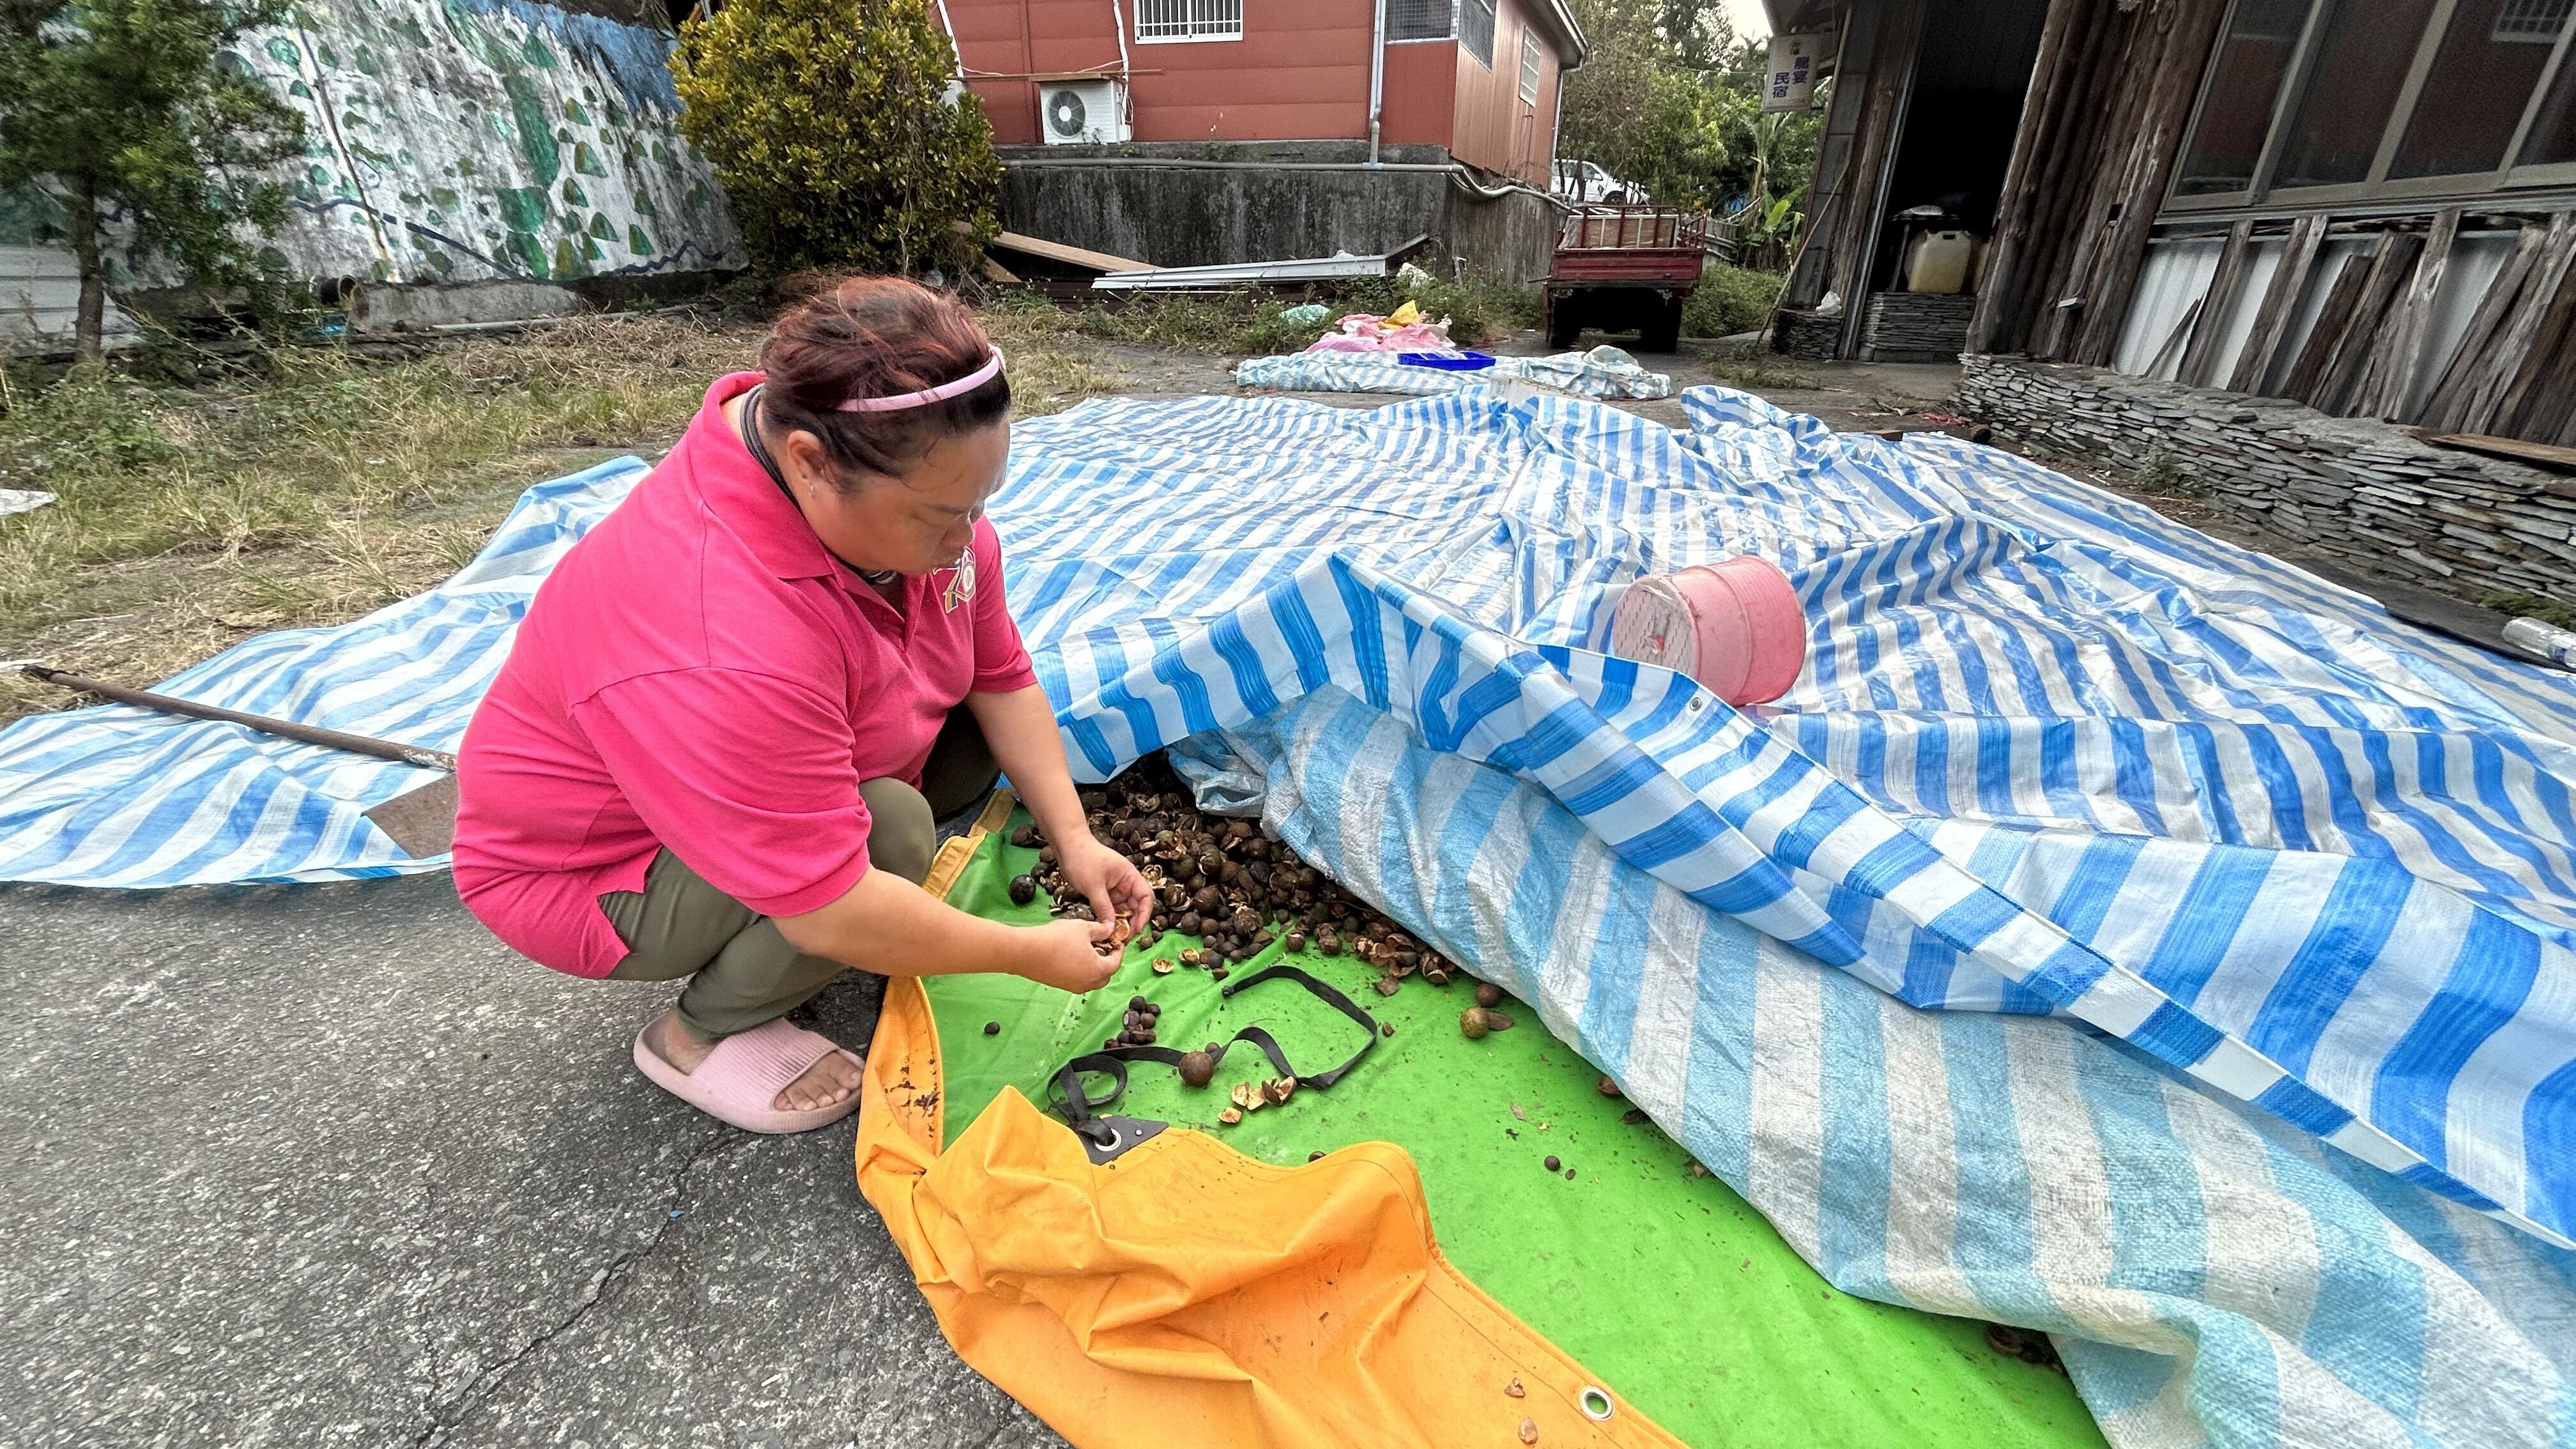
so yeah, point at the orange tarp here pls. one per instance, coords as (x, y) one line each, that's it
(1185, 1294)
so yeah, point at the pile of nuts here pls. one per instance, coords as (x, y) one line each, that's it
(1223, 882)
(1137, 1028)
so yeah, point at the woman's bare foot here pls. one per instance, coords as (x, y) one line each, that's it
(827, 1083)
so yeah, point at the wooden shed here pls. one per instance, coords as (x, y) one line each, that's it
(2368, 206)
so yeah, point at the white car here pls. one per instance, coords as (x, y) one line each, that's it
(1583, 182)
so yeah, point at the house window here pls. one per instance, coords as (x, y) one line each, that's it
(2490, 45)
(1419, 19)
(2330, 100)
(2252, 61)
(1189, 19)
(2553, 134)
(1529, 68)
(1476, 29)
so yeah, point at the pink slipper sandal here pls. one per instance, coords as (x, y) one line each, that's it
(745, 1073)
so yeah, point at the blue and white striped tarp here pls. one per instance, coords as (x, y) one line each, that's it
(1604, 372)
(120, 796)
(2252, 841)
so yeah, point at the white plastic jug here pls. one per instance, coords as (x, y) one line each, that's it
(1938, 261)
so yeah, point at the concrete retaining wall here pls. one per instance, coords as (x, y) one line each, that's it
(2357, 489)
(1182, 211)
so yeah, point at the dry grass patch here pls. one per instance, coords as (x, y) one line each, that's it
(191, 519)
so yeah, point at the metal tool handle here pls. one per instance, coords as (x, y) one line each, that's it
(284, 729)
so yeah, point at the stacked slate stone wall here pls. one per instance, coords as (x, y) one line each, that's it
(1915, 326)
(2357, 489)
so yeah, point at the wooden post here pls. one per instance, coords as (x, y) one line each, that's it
(2398, 364)
(2361, 337)
(2530, 407)
(2341, 299)
(2173, 71)
(2512, 347)
(2472, 353)
(1999, 296)
(2280, 301)
(2216, 305)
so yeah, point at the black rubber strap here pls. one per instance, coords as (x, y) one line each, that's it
(1330, 996)
(1081, 1110)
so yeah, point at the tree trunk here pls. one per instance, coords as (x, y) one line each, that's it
(89, 325)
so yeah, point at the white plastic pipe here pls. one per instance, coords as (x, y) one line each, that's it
(1377, 78)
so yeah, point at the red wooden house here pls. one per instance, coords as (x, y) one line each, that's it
(1476, 77)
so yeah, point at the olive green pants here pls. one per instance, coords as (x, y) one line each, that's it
(741, 970)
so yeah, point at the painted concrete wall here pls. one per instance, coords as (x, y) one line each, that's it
(457, 140)
(452, 141)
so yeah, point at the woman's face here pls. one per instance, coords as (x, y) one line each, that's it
(916, 524)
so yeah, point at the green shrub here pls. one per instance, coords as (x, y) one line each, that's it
(1730, 300)
(825, 123)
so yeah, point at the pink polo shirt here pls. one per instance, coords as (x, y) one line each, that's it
(700, 673)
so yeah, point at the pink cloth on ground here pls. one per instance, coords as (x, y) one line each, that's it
(1362, 332)
(699, 672)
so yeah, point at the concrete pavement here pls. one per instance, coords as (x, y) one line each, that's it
(326, 1164)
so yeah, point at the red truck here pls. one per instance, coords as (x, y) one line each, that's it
(1625, 269)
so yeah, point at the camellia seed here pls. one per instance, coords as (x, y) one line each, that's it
(992, 1028)
(1471, 1023)
(1024, 889)
(1551, 1164)
(1488, 994)
(1197, 1068)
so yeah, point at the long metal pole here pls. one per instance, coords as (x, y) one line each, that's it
(283, 728)
(1377, 78)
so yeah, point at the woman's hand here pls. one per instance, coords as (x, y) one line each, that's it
(1109, 881)
(1075, 956)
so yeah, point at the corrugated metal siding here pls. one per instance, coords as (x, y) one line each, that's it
(2175, 275)
(2178, 272)
(39, 298)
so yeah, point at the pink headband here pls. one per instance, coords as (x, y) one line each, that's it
(941, 393)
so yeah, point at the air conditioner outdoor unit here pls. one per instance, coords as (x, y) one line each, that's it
(1084, 112)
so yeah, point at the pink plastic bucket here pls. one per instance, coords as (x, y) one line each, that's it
(1735, 627)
